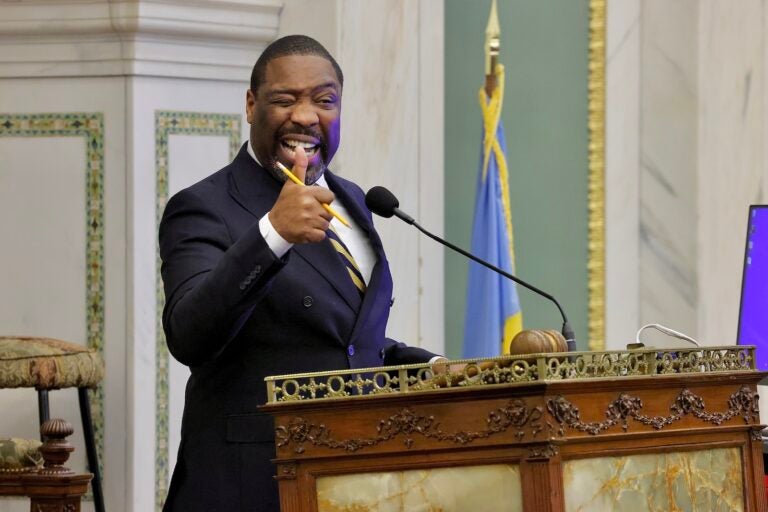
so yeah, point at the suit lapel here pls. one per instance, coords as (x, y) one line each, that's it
(252, 186)
(357, 210)
(360, 216)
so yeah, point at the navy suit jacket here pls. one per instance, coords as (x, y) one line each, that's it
(235, 313)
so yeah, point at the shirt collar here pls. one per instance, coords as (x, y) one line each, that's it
(253, 153)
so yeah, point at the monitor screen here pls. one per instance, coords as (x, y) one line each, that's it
(753, 316)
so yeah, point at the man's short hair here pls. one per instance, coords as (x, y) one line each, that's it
(290, 45)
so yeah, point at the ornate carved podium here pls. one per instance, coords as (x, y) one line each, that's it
(638, 430)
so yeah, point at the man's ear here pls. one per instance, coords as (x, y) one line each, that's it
(250, 106)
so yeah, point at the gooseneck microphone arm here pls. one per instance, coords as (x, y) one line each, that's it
(566, 330)
(384, 203)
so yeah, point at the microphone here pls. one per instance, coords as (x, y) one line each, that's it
(383, 203)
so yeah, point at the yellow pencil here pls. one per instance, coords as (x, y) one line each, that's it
(297, 181)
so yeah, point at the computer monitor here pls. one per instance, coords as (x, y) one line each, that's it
(753, 314)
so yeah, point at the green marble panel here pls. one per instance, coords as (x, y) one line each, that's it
(705, 481)
(478, 488)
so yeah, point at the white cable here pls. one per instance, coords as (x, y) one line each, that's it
(667, 331)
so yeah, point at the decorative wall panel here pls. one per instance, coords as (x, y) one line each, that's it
(91, 127)
(167, 124)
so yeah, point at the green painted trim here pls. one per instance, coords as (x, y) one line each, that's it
(90, 126)
(175, 123)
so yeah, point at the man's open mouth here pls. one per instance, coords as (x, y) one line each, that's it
(310, 147)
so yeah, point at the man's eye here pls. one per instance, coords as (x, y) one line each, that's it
(283, 102)
(327, 100)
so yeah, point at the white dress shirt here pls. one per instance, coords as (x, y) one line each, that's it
(353, 237)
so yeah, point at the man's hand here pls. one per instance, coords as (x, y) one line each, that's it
(298, 215)
(441, 366)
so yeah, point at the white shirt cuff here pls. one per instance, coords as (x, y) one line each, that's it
(434, 359)
(277, 243)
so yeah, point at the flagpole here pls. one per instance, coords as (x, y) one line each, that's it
(492, 47)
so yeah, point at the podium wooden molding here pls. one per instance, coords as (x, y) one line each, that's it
(588, 410)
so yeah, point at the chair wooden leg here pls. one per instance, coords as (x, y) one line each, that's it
(90, 449)
(42, 408)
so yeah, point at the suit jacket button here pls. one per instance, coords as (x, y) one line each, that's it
(257, 269)
(308, 301)
(381, 354)
(243, 286)
(351, 350)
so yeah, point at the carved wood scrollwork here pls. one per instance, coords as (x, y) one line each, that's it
(742, 403)
(287, 472)
(546, 451)
(408, 424)
(55, 507)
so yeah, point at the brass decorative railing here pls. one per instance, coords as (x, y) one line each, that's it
(508, 370)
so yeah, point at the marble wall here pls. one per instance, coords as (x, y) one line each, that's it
(622, 176)
(685, 137)
(732, 161)
(686, 131)
(668, 164)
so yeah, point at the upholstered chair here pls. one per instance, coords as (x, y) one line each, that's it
(48, 364)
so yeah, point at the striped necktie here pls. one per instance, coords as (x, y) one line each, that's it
(347, 259)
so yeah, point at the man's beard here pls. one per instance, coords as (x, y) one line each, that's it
(314, 172)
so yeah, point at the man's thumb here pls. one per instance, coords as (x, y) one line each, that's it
(300, 163)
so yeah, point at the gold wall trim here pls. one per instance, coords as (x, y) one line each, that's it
(596, 194)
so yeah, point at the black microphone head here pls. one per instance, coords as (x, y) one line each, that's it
(381, 201)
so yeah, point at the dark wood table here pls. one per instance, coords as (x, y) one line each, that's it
(52, 487)
(47, 493)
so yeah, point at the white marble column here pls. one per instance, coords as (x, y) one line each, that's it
(622, 174)
(701, 160)
(668, 163)
(732, 160)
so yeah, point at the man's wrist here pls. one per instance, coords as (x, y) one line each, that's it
(276, 243)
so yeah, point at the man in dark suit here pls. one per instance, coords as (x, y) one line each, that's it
(255, 287)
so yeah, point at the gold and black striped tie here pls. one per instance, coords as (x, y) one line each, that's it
(347, 259)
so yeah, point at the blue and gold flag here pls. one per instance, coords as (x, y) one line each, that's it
(493, 309)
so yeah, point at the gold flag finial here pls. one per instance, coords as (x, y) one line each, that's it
(492, 46)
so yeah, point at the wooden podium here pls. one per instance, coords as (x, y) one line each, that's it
(588, 431)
